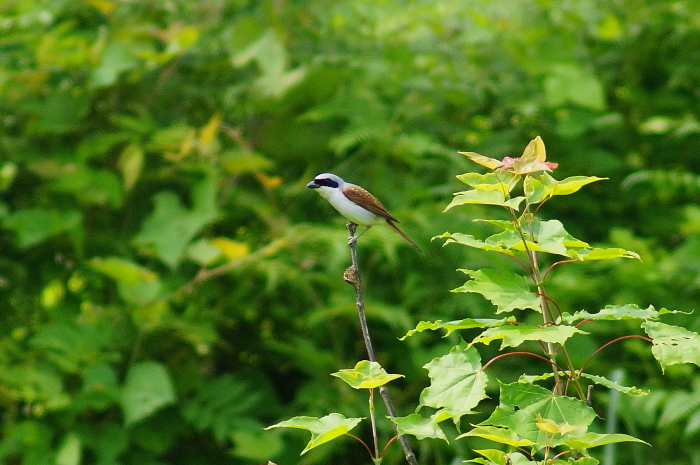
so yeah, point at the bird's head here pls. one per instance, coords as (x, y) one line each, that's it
(326, 183)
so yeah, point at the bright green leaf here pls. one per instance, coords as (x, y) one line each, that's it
(568, 185)
(366, 375)
(591, 439)
(514, 335)
(485, 197)
(501, 181)
(490, 163)
(616, 312)
(457, 382)
(507, 291)
(322, 429)
(602, 254)
(451, 326)
(500, 435)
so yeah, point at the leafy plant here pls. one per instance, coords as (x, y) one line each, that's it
(544, 424)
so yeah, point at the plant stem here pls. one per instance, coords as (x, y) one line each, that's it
(352, 277)
(373, 421)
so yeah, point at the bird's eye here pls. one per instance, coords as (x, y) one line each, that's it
(326, 182)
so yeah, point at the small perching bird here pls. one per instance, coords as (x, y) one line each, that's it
(355, 204)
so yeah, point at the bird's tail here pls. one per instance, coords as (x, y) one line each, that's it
(396, 228)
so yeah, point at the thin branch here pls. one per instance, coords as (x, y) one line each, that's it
(206, 274)
(352, 277)
(631, 336)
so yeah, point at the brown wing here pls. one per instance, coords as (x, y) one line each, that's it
(368, 201)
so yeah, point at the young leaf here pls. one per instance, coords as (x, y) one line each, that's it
(366, 375)
(514, 335)
(532, 159)
(500, 435)
(420, 427)
(322, 429)
(591, 439)
(507, 291)
(490, 163)
(673, 344)
(457, 382)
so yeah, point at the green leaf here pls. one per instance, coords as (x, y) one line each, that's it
(507, 291)
(35, 225)
(602, 254)
(130, 164)
(451, 326)
(572, 83)
(633, 391)
(457, 382)
(148, 388)
(501, 181)
(470, 241)
(534, 190)
(617, 312)
(568, 185)
(490, 163)
(244, 161)
(496, 434)
(422, 428)
(485, 197)
(514, 335)
(69, 452)
(591, 439)
(322, 429)
(498, 457)
(171, 227)
(366, 375)
(672, 344)
(115, 59)
(523, 405)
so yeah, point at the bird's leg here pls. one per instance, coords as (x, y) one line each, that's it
(353, 239)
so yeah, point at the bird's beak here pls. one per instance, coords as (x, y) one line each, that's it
(312, 185)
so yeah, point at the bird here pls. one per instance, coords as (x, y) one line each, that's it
(355, 204)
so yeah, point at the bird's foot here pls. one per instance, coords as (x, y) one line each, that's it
(352, 240)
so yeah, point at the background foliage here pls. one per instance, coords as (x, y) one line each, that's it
(169, 286)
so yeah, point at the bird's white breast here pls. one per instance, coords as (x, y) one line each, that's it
(348, 208)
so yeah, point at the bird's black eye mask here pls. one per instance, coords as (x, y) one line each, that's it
(325, 182)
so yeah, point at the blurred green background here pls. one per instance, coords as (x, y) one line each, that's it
(168, 286)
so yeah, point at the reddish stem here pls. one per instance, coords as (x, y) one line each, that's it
(387, 445)
(551, 267)
(521, 353)
(609, 343)
(363, 443)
